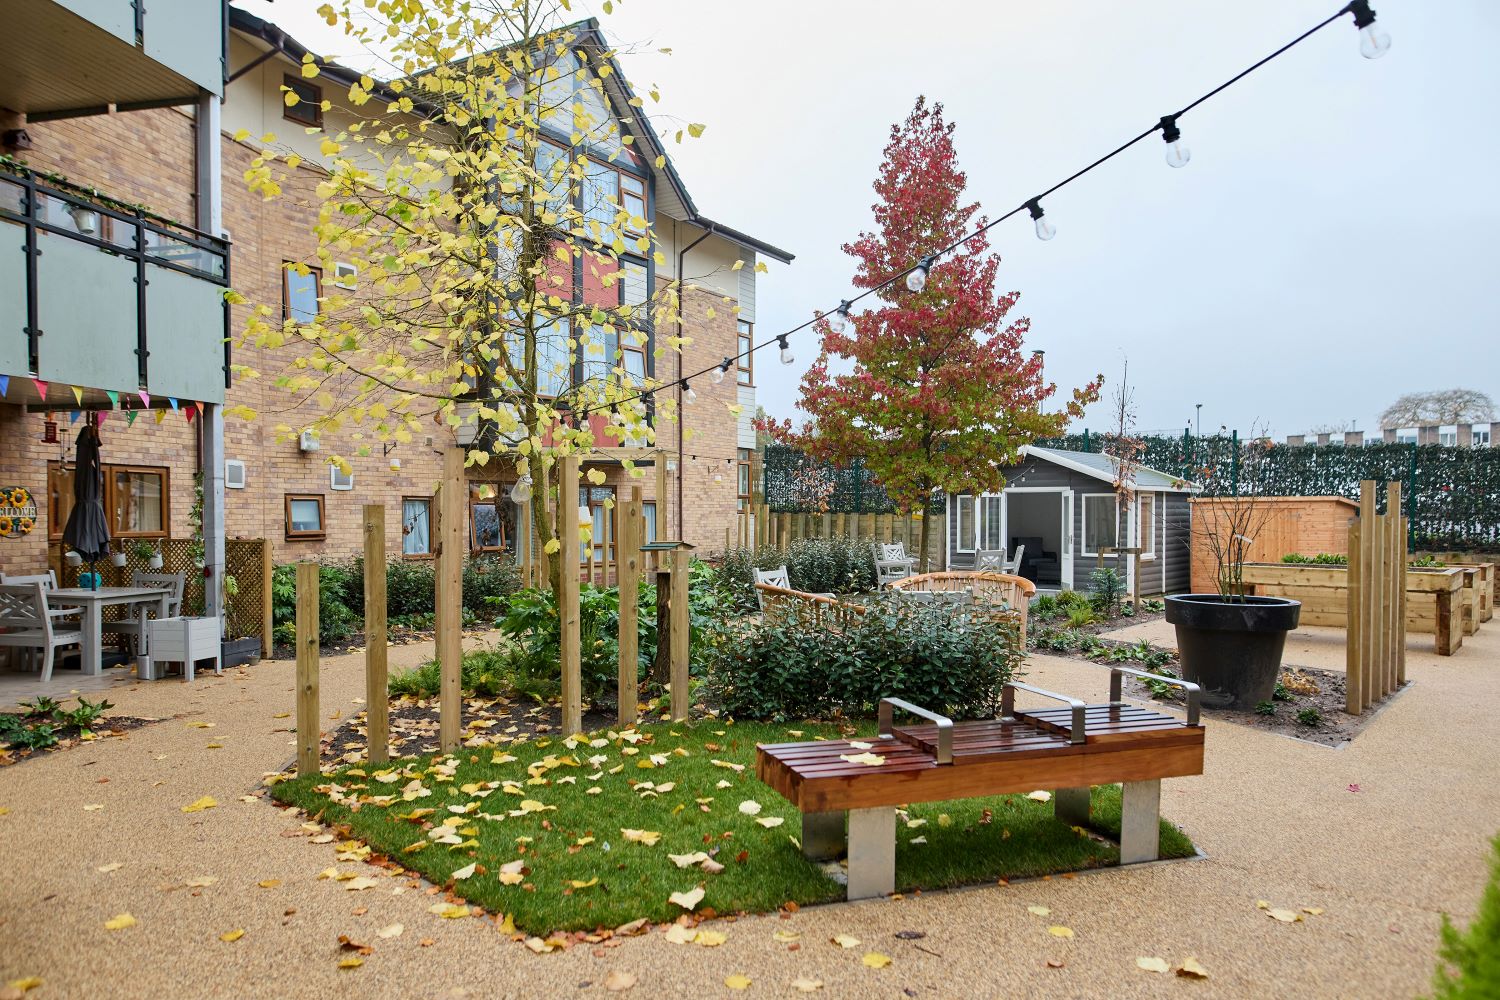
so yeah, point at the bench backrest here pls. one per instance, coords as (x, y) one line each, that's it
(48, 579)
(782, 604)
(23, 608)
(173, 582)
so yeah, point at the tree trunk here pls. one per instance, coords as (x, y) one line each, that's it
(926, 527)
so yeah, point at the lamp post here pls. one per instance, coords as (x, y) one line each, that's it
(1198, 408)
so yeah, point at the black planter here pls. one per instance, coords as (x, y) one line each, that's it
(1232, 649)
(235, 652)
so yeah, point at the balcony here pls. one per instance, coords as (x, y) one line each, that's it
(71, 57)
(96, 294)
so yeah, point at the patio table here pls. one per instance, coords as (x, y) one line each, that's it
(93, 603)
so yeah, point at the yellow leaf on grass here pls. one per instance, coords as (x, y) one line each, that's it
(647, 838)
(737, 981)
(233, 935)
(1058, 931)
(750, 807)
(577, 884)
(688, 860)
(687, 900)
(845, 940)
(119, 922)
(770, 821)
(1039, 796)
(1192, 970)
(876, 960)
(1151, 964)
(1040, 911)
(464, 872)
(207, 802)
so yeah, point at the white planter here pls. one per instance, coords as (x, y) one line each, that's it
(72, 558)
(155, 561)
(117, 558)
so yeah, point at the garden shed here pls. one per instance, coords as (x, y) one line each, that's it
(1302, 525)
(1064, 508)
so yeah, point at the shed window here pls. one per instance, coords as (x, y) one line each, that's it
(1148, 526)
(964, 518)
(492, 518)
(1101, 517)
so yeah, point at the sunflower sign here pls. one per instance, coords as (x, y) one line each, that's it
(17, 512)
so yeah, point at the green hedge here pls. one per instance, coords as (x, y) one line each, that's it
(817, 565)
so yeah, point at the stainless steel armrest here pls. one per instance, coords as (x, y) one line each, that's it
(1008, 705)
(1192, 690)
(944, 725)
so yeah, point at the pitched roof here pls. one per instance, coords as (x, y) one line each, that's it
(1100, 466)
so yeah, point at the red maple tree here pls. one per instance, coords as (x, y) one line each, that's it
(939, 394)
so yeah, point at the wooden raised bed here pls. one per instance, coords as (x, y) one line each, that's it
(1435, 598)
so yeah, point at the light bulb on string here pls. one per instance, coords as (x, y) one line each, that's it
(916, 278)
(1374, 42)
(521, 492)
(721, 371)
(839, 321)
(1178, 154)
(786, 349)
(688, 395)
(1045, 230)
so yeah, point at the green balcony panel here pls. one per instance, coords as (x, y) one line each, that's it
(86, 309)
(185, 334)
(115, 16)
(13, 346)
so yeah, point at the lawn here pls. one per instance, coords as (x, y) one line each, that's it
(567, 835)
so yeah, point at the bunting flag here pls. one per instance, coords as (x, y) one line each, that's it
(77, 394)
(189, 412)
(198, 404)
(73, 417)
(145, 399)
(4, 384)
(173, 401)
(130, 416)
(161, 415)
(41, 387)
(114, 398)
(101, 416)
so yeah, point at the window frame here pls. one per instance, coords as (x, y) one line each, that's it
(965, 545)
(306, 536)
(600, 508)
(416, 555)
(1083, 507)
(502, 495)
(298, 85)
(744, 472)
(286, 289)
(745, 364)
(56, 523)
(994, 519)
(1145, 525)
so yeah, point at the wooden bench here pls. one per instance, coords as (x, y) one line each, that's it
(1067, 749)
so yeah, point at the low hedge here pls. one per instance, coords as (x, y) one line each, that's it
(817, 565)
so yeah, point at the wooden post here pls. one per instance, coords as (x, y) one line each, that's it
(377, 696)
(679, 637)
(567, 599)
(268, 611)
(450, 576)
(1369, 599)
(1395, 582)
(1401, 529)
(663, 523)
(628, 540)
(1353, 607)
(308, 734)
(1375, 575)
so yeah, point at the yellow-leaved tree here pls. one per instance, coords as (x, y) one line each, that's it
(492, 197)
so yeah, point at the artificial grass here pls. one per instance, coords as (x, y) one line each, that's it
(581, 871)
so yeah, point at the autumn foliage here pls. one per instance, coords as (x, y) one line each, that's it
(932, 388)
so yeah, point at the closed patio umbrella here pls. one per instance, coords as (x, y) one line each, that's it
(87, 530)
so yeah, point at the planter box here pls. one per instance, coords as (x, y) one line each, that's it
(1435, 598)
(237, 652)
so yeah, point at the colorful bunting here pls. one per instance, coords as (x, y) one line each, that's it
(73, 417)
(145, 399)
(77, 394)
(101, 415)
(130, 416)
(173, 401)
(189, 412)
(114, 398)
(161, 415)
(4, 384)
(41, 387)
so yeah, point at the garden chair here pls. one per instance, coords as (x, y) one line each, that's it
(990, 561)
(778, 577)
(133, 625)
(1011, 567)
(48, 580)
(27, 623)
(891, 563)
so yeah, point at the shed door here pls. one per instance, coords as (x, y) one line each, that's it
(1067, 540)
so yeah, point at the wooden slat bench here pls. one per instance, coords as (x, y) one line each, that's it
(1067, 749)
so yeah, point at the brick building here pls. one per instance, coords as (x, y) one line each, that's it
(286, 491)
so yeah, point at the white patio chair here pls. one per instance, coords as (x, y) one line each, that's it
(67, 616)
(26, 623)
(133, 625)
(1013, 567)
(990, 561)
(891, 563)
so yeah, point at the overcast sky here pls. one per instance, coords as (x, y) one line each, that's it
(1330, 246)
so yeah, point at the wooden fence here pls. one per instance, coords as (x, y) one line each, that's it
(761, 528)
(1375, 653)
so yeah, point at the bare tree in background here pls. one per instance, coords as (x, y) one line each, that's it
(1443, 406)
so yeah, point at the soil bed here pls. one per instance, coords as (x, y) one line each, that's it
(70, 736)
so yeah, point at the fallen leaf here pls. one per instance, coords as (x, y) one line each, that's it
(1316, 911)
(710, 939)
(845, 940)
(269, 883)
(119, 922)
(539, 946)
(737, 981)
(647, 838)
(750, 807)
(1285, 916)
(804, 985)
(352, 962)
(680, 934)
(449, 911)
(770, 822)
(1040, 911)
(393, 931)
(233, 935)
(910, 935)
(93, 807)
(876, 960)
(201, 882)
(785, 936)
(1152, 964)
(362, 882)
(1054, 963)
(1039, 796)
(1192, 970)
(113, 866)
(688, 860)
(22, 986)
(867, 758)
(1058, 931)
(579, 884)
(207, 802)
(322, 838)
(618, 981)
(687, 900)
(465, 871)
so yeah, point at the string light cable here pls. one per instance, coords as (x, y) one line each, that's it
(1374, 42)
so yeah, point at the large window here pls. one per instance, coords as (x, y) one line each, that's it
(600, 503)
(742, 477)
(745, 341)
(492, 518)
(416, 526)
(1147, 529)
(963, 517)
(307, 109)
(136, 500)
(1101, 522)
(607, 190)
(990, 536)
(304, 516)
(300, 292)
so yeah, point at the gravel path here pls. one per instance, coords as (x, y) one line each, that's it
(1276, 817)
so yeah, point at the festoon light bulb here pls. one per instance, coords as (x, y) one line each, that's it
(521, 492)
(839, 321)
(688, 395)
(1374, 42)
(721, 371)
(786, 349)
(1045, 230)
(1178, 154)
(916, 278)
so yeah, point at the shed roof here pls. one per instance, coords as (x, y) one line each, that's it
(1101, 466)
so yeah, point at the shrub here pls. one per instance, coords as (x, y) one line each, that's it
(937, 656)
(1321, 559)
(818, 565)
(1309, 717)
(1069, 599)
(1470, 959)
(485, 673)
(1078, 617)
(340, 593)
(1265, 708)
(1044, 607)
(410, 586)
(489, 582)
(1105, 590)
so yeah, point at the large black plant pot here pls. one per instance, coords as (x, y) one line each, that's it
(1232, 649)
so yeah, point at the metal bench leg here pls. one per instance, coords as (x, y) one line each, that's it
(823, 835)
(1140, 821)
(872, 852)
(1071, 805)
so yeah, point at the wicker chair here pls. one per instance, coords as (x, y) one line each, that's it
(1010, 595)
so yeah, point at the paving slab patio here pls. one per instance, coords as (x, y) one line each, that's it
(1275, 816)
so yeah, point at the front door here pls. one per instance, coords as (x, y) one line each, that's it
(1066, 557)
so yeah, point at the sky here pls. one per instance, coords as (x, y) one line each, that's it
(1329, 247)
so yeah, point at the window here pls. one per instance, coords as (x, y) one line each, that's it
(346, 276)
(492, 518)
(990, 536)
(416, 521)
(742, 478)
(300, 292)
(747, 360)
(1101, 517)
(648, 514)
(553, 359)
(607, 190)
(1481, 438)
(1147, 529)
(600, 502)
(964, 519)
(304, 516)
(136, 500)
(338, 480)
(308, 107)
